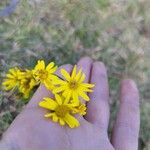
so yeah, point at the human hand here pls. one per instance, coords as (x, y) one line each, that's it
(31, 131)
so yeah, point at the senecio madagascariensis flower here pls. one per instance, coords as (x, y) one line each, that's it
(12, 79)
(61, 111)
(21, 79)
(45, 74)
(67, 92)
(72, 86)
(27, 83)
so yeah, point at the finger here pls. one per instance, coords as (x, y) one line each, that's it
(98, 106)
(126, 129)
(85, 64)
(42, 91)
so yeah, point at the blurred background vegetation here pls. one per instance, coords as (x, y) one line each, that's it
(116, 32)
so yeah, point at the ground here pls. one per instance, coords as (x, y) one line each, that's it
(116, 32)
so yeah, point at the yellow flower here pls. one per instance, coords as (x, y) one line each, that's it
(73, 86)
(45, 74)
(81, 109)
(27, 83)
(12, 79)
(60, 111)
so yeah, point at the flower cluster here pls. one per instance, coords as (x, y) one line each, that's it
(25, 80)
(68, 91)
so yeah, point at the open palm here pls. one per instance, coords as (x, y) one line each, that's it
(31, 131)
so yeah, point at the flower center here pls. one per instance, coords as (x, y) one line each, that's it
(26, 84)
(73, 85)
(62, 110)
(43, 74)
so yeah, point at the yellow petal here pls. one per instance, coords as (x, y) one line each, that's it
(67, 95)
(58, 81)
(13, 71)
(6, 82)
(67, 91)
(26, 94)
(78, 76)
(48, 115)
(74, 72)
(52, 70)
(61, 122)
(41, 64)
(50, 66)
(71, 121)
(65, 74)
(85, 89)
(48, 84)
(58, 99)
(55, 118)
(7, 88)
(9, 76)
(84, 96)
(59, 89)
(82, 78)
(88, 85)
(48, 103)
(9, 84)
(75, 98)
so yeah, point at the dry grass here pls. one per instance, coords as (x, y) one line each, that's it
(115, 32)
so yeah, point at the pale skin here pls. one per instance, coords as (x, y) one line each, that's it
(31, 131)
